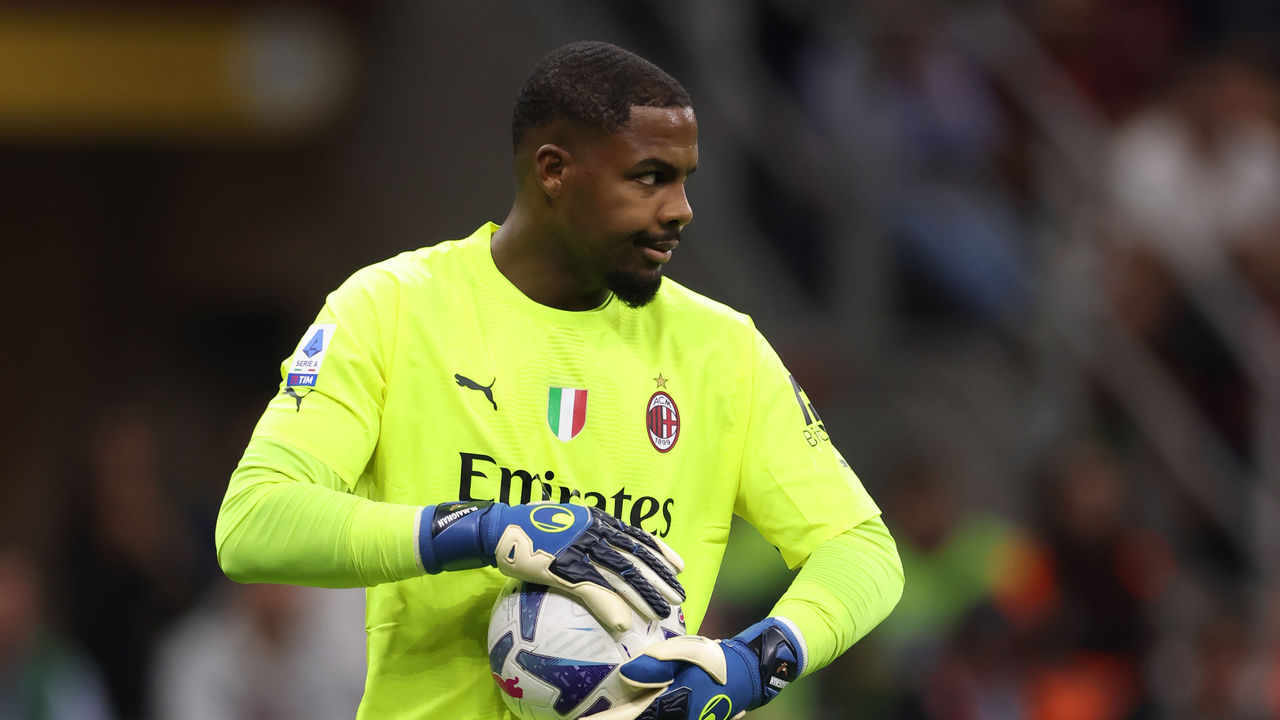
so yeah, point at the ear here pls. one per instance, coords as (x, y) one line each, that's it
(549, 164)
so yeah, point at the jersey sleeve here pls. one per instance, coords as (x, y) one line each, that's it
(287, 518)
(847, 587)
(795, 487)
(333, 387)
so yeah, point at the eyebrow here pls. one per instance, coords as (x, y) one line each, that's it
(663, 166)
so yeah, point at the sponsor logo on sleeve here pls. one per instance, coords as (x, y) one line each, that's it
(304, 369)
(815, 433)
(301, 380)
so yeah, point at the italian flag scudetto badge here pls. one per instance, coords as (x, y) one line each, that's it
(566, 411)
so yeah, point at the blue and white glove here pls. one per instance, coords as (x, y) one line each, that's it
(559, 545)
(696, 678)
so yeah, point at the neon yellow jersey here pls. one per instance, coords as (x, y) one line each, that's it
(429, 377)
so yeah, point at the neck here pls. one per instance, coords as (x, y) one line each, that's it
(530, 255)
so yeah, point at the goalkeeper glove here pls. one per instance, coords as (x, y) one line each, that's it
(699, 679)
(559, 545)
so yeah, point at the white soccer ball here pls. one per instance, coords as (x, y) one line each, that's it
(551, 658)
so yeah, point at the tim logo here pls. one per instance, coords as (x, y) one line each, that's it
(663, 421)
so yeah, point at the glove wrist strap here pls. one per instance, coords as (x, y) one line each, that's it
(451, 536)
(777, 651)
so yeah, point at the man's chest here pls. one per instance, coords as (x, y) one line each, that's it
(565, 417)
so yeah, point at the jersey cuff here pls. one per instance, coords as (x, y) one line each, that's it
(803, 649)
(417, 539)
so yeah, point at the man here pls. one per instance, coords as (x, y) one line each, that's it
(441, 391)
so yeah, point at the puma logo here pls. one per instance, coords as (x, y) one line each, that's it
(510, 687)
(470, 384)
(294, 394)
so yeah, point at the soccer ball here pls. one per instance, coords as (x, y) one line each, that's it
(551, 658)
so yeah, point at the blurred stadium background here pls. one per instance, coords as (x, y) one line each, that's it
(1024, 256)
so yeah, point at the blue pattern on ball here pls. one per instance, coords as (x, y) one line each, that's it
(574, 679)
(499, 651)
(531, 596)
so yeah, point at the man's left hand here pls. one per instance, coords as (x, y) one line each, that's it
(696, 678)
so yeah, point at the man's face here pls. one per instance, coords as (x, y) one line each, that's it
(625, 202)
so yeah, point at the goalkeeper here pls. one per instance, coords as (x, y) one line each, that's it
(441, 392)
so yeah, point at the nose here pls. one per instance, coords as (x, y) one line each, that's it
(676, 209)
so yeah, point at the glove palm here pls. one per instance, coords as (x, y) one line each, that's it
(695, 678)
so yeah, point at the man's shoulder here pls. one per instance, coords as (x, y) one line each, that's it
(446, 259)
(680, 302)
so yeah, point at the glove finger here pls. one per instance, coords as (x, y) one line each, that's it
(694, 649)
(630, 710)
(613, 612)
(579, 565)
(665, 561)
(655, 570)
(656, 544)
(571, 572)
(670, 706)
(668, 587)
(627, 591)
(648, 539)
(646, 671)
(653, 605)
(568, 569)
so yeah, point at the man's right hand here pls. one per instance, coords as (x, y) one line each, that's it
(607, 565)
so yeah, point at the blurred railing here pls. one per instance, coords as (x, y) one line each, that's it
(1194, 452)
(1074, 335)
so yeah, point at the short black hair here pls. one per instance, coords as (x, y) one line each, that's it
(593, 85)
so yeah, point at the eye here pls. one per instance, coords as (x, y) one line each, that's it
(649, 178)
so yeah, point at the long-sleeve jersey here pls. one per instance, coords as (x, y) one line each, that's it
(430, 377)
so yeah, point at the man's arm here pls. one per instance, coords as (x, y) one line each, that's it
(805, 499)
(847, 586)
(285, 519)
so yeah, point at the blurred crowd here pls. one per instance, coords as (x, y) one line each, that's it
(131, 619)
(1007, 142)
(1103, 590)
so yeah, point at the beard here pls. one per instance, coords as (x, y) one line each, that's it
(634, 289)
(637, 288)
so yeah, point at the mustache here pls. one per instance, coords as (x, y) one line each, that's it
(647, 238)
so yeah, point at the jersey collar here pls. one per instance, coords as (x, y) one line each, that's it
(478, 250)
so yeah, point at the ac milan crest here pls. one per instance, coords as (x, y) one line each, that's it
(663, 421)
